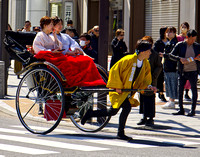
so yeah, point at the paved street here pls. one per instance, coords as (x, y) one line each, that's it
(171, 135)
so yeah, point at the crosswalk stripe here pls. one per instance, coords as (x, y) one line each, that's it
(168, 141)
(25, 150)
(43, 128)
(52, 143)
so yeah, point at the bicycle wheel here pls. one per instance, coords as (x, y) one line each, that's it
(96, 100)
(40, 100)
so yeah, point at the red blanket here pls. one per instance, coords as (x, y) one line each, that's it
(79, 71)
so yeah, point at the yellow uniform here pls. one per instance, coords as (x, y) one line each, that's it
(121, 76)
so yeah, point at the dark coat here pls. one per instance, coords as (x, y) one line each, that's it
(179, 51)
(94, 42)
(91, 52)
(119, 48)
(170, 65)
(156, 66)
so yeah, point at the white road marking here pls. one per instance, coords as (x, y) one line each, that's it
(167, 141)
(52, 143)
(25, 150)
(43, 128)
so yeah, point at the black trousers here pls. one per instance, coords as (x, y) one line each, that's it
(160, 81)
(147, 105)
(126, 108)
(192, 77)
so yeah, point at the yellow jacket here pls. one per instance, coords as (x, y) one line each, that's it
(121, 76)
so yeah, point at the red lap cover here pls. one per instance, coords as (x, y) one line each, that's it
(79, 71)
(52, 110)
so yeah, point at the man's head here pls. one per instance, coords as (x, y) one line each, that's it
(69, 23)
(143, 49)
(71, 32)
(27, 25)
(96, 31)
(191, 36)
(84, 39)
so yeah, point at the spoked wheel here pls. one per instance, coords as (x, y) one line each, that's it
(85, 100)
(40, 100)
(95, 100)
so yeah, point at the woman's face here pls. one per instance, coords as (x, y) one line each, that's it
(170, 35)
(184, 29)
(49, 27)
(58, 27)
(121, 36)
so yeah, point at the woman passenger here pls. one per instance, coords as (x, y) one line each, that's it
(79, 70)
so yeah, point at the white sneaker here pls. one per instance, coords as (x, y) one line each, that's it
(169, 105)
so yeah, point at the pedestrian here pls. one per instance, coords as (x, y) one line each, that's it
(186, 53)
(17, 64)
(130, 71)
(27, 26)
(147, 99)
(159, 46)
(181, 37)
(70, 23)
(170, 70)
(94, 33)
(84, 41)
(118, 46)
(71, 32)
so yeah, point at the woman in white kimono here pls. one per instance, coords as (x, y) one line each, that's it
(43, 40)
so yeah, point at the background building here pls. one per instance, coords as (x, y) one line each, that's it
(137, 17)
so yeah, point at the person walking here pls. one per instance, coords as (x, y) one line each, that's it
(159, 46)
(130, 71)
(118, 46)
(186, 53)
(147, 99)
(170, 70)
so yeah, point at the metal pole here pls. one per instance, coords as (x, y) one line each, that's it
(4, 26)
(103, 32)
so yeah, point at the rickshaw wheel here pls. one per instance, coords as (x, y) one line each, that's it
(95, 100)
(40, 100)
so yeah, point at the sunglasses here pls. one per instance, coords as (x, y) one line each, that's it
(96, 30)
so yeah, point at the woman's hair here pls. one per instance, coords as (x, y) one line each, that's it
(142, 45)
(118, 32)
(45, 20)
(171, 29)
(162, 32)
(86, 36)
(148, 38)
(186, 24)
(56, 20)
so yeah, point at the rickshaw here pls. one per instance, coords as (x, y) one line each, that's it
(42, 86)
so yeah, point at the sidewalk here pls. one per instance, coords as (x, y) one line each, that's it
(166, 124)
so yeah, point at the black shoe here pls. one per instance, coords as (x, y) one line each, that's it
(180, 112)
(86, 116)
(142, 121)
(124, 137)
(150, 122)
(162, 97)
(18, 77)
(191, 114)
(187, 98)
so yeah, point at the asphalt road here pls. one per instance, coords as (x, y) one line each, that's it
(69, 141)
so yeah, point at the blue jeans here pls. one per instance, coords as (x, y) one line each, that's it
(192, 77)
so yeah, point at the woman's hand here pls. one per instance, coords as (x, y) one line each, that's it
(161, 54)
